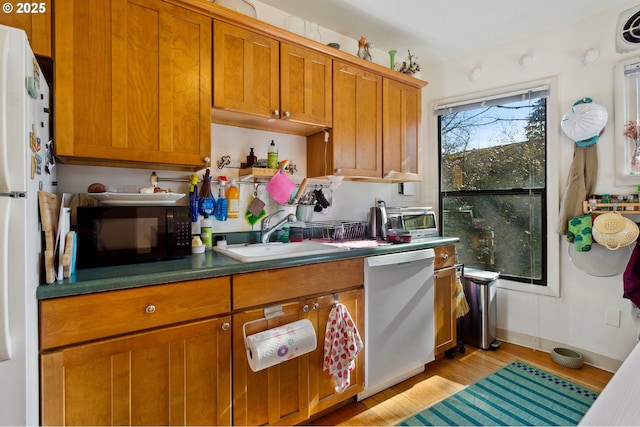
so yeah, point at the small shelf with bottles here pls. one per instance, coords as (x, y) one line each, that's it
(252, 173)
(624, 208)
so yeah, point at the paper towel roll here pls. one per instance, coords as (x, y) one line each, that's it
(277, 345)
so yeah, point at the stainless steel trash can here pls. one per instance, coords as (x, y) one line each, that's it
(479, 325)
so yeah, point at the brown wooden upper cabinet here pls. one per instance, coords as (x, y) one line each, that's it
(376, 131)
(355, 146)
(262, 83)
(35, 19)
(401, 124)
(133, 84)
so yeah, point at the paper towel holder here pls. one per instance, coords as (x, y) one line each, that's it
(269, 313)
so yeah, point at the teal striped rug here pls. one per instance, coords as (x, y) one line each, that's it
(518, 394)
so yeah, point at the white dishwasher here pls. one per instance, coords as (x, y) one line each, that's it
(399, 318)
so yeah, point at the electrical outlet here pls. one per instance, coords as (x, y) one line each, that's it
(612, 317)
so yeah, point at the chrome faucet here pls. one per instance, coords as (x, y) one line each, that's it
(266, 231)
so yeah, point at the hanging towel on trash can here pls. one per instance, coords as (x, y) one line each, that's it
(342, 343)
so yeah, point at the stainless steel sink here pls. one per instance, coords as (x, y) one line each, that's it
(276, 250)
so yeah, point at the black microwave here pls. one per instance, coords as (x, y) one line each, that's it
(116, 235)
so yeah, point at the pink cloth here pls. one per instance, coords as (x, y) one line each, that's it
(280, 187)
(342, 343)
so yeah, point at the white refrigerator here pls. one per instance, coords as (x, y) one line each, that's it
(26, 166)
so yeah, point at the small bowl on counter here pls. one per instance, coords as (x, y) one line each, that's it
(399, 236)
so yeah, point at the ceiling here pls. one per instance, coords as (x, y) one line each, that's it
(437, 30)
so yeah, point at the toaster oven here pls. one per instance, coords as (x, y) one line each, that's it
(419, 221)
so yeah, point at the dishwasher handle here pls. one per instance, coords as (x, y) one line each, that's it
(428, 255)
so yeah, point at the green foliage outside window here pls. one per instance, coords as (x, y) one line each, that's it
(493, 184)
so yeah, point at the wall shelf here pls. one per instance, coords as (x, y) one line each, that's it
(621, 208)
(251, 174)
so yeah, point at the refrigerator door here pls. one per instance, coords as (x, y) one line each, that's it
(5, 337)
(4, 70)
(25, 152)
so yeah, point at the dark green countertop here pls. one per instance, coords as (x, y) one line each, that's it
(202, 266)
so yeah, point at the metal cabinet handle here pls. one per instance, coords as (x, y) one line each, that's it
(287, 114)
(445, 256)
(276, 112)
(316, 305)
(226, 326)
(305, 308)
(150, 309)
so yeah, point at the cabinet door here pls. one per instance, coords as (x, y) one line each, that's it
(174, 376)
(402, 109)
(305, 86)
(444, 305)
(357, 122)
(275, 395)
(322, 391)
(246, 71)
(35, 19)
(133, 82)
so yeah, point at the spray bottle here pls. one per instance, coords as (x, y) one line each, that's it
(221, 204)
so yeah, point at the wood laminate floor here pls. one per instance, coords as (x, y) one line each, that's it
(444, 377)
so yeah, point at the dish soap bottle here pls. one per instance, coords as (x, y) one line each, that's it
(251, 158)
(206, 233)
(272, 156)
(220, 211)
(233, 199)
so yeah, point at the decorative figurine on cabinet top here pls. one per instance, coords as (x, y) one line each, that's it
(410, 66)
(363, 48)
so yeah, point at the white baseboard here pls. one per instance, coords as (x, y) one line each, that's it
(599, 361)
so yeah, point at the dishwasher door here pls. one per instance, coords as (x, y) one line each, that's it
(399, 317)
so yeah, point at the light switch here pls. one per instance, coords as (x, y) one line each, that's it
(612, 317)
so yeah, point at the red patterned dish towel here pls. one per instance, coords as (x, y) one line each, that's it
(342, 343)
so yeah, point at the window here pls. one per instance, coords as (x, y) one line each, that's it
(493, 182)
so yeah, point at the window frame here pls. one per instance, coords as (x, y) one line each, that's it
(552, 239)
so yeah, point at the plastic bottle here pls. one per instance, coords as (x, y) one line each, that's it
(233, 200)
(220, 211)
(272, 156)
(206, 233)
(193, 197)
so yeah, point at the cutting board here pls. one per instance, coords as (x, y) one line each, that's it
(49, 208)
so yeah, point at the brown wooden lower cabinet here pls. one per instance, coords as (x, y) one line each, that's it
(172, 354)
(291, 392)
(444, 306)
(445, 298)
(322, 390)
(178, 375)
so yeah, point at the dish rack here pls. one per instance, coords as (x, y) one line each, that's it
(336, 230)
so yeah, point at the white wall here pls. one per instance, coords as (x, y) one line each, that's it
(577, 317)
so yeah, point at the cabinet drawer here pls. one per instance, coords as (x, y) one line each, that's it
(283, 284)
(82, 318)
(445, 256)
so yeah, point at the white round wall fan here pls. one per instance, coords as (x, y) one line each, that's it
(628, 30)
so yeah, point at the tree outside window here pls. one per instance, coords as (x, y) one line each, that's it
(493, 184)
